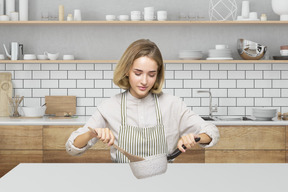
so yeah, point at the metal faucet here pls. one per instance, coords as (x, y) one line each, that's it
(211, 109)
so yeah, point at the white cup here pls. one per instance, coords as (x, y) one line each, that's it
(4, 18)
(2, 57)
(123, 17)
(253, 15)
(110, 17)
(136, 15)
(77, 15)
(221, 46)
(14, 16)
(149, 14)
(161, 15)
(68, 57)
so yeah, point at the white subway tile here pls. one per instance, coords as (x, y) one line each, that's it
(103, 66)
(192, 83)
(50, 66)
(169, 75)
(203, 111)
(67, 84)
(245, 84)
(218, 74)
(236, 75)
(40, 92)
(174, 84)
(205, 101)
(90, 111)
(98, 101)
(192, 102)
(17, 84)
(174, 66)
(221, 111)
(31, 102)
(227, 83)
(67, 66)
(85, 83)
(263, 66)
(86, 66)
(59, 74)
(281, 102)
(209, 66)
(76, 74)
(284, 92)
(200, 74)
(32, 84)
(254, 75)
(58, 92)
(243, 102)
(183, 75)
(14, 67)
(205, 84)
(23, 75)
(245, 66)
(32, 67)
(94, 93)
(280, 67)
(111, 92)
(227, 66)
(271, 74)
(261, 102)
(108, 74)
(280, 84)
(81, 111)
(263, 84)
(219, 92)
(284, 74)
(77, 92)
(254, 93)
(192, 67)
(183, 92)
(239, 111)
(227, 102)
(236, 93)
(2, 66)
(103, 83)
(83, 102)
(24, 92)
(41, 75)
(168, 91)
(94, 75)
(49, 84)
(272, 93)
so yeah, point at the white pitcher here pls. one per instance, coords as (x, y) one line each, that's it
(15, 52)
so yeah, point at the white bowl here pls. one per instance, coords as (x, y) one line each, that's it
(42, 57)
(264, 113)
(29, 57)
(68, 57)
(33, 111)
(52, 56)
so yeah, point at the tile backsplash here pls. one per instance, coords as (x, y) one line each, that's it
(235, 88)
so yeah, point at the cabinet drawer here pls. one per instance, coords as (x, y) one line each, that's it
(251, 137)
(245, 156)
(21, 137)
(55, 137)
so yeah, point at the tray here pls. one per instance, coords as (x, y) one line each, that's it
(280, 57)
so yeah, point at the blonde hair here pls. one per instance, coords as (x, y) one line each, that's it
(139, 48)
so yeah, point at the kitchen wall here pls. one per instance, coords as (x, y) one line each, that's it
(236, 88)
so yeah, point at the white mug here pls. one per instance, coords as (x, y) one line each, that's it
(123, 17)
(136, 15)
(77, 15)
(2, 57)
(4, 18)
(149, 14)
(161, 15)
(110, 17)
(253, 15)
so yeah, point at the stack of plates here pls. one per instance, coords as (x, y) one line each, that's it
(190, 54)
(220, 53)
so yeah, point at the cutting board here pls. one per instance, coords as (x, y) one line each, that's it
(56, 104)
(5, 90)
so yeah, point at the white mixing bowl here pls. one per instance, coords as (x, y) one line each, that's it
(33, 111)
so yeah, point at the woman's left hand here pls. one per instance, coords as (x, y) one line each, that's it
(188, 141)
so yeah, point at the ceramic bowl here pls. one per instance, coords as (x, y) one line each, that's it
(42, 57)
(29, 57)
(264, 113)
(33, 111)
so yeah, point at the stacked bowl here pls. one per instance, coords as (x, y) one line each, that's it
(264, 114)
(221, 52)
(190, 54)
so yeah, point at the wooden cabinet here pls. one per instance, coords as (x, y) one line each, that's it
(249, 144)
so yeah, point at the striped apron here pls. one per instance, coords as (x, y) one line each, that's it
(139, 141)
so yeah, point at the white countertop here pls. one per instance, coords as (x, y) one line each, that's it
(81, 120)
(73, 177)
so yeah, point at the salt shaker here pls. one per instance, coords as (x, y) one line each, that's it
(263, 17)
(69, 17)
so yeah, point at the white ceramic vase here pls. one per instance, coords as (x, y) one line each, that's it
(280, 7)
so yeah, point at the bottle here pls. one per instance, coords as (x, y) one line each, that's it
(61, 13)
(263, 17)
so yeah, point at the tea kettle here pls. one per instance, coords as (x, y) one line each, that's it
(15, 46)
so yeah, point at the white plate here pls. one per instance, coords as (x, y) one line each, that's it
(248, 20)
(219, 58)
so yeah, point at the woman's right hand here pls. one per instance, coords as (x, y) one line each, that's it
(105, 135)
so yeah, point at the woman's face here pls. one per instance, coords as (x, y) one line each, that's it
(142, 76)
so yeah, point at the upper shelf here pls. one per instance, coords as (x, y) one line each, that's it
(165, 61)
(142, 22)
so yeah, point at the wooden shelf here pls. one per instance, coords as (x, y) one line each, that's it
(165, 61)
(142, 22)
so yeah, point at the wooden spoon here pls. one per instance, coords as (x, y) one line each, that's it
(132, 158)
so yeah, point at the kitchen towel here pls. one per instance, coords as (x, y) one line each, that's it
(23, 10)
(1, 7)
(10, 7)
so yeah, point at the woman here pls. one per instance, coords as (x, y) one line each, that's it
(142, 120)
